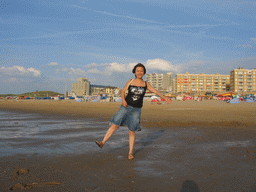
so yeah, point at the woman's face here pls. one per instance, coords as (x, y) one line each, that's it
(139, 72)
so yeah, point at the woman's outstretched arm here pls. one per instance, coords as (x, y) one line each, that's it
(153, 90)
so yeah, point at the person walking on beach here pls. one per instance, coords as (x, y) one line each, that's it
(130, 110)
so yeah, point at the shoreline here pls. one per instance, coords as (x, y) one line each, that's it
(208, 113)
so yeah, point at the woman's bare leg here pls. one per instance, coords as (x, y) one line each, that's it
(109, 133)
(131, 143)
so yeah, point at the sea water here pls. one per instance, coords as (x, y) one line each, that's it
(36, 134)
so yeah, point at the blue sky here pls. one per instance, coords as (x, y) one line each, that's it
(46, 44)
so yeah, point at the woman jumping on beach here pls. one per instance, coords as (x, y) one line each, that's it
(130, 110)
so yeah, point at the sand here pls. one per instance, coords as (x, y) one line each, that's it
(184, 146)
(207, 113)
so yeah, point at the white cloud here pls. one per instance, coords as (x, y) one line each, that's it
(91, 65)
(64, 69)
(118, 68)
(36, 72)
(162, 65)
(156, 64)
(79, 72)
(53, 64)
(115, 67)
(94, 71)
(18, 70)
(72, 71)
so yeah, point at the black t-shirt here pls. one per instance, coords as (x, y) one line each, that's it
(135, 95)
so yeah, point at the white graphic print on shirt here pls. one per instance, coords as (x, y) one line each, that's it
(137, 91)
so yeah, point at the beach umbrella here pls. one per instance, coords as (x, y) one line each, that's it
(249, 100)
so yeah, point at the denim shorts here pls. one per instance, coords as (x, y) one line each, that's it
(128, 116)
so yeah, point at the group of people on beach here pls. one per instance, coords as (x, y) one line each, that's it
(130, 110)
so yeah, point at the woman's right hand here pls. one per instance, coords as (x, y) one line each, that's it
(124, 103)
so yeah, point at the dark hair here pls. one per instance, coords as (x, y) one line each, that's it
(139, 65)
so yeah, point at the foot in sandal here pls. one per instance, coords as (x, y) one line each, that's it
(130, 156)
(100, 144)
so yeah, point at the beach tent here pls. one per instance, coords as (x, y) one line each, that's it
(44, 98)
(236, 100)
(249, 99)
(78, 100)
(118, 100)
(154, 97)
(187, 98)
(103, 97)
(95, 100)
(225, 98)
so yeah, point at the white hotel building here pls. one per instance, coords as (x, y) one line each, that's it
(161, 82)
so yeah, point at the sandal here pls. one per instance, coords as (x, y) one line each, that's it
(99, 144)
(130, 156)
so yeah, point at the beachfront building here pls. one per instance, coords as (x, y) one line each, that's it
(202, 83)
(109, 90)
(170, 82)
(243, 80)
(104, 90)
(161, 82)
(174, 85)
(80, 88)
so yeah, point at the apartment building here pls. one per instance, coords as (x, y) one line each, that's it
(170, 82)
(243, 80)
(202, 83)
(161, 82)
(81, 87)
(174, 86)
(101, 89)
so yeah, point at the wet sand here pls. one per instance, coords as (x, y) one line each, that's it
(185, 146)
